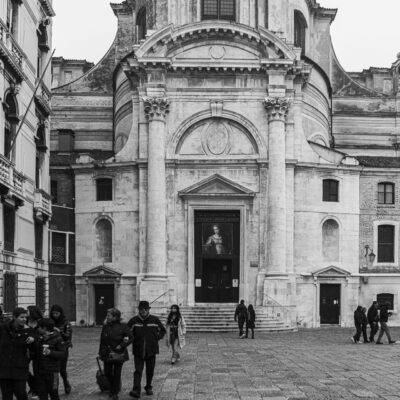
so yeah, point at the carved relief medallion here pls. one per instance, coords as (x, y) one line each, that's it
(216, 139)
(217, 52)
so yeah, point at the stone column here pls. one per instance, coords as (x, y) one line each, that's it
(156, 109)
(277, 109)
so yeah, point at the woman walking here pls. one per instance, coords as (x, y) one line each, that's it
(176, 331)
(114, 340)
(251, 321)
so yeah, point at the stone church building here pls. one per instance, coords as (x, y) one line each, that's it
(219, 151)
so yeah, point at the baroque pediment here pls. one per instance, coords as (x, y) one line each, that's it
(331, 272)
(216, 185)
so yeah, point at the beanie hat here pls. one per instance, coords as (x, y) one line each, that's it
(143, 305)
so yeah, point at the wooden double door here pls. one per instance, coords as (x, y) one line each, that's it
(217, 256)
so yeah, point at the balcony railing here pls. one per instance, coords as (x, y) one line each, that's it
(42, 202)
(5, 172)
(10, 178)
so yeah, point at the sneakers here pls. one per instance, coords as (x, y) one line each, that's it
(353, 340)
(392, 342)
(242, 337)
(135, 394)
(378, 343)
(149, 391)
(173, 360)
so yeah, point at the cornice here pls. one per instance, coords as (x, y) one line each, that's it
(47, 8)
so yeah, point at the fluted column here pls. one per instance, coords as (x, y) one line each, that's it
(156, 109)
(277, 109)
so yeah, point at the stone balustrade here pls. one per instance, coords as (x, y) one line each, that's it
(42, 202)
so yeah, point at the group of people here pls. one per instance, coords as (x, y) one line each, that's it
(377, 318)
(245, 315)
(30, 338)
(143, 332)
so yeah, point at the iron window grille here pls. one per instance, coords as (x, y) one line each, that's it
(219, 9)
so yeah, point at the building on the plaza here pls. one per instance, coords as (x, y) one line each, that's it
(219, 151)
(25, 206)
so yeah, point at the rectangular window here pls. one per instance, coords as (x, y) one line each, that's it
(330, 190)
(58, 247)
(385, 298)
(54, 191)
(386, 193)
(38, 240)
(386, 243)
(10, 290)
(9, 227)
(40, 291)
(104, 189)
(71, 249)
(219, 9)
(68, 76)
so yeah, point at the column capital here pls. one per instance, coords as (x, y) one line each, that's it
(277, 108)
(156, 107)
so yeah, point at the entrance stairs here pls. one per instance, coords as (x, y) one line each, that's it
(220, 318)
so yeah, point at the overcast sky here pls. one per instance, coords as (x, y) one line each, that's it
(365, 33)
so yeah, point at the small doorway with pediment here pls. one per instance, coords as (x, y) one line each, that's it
(329, 307)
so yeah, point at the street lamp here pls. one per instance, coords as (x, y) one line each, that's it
(369, 254)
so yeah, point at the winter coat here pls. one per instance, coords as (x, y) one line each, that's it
(181, 332)
(112, 336)
(63, 325)
(358, 316)
(241, 313)
(145, 335)
(251, 319)
(51, 362)
(384, 314)
(14, 352)
(373, 314)
(364, 319)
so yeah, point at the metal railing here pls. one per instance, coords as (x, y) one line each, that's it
(286, 314)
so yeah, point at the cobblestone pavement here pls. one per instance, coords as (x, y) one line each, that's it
(310, 364)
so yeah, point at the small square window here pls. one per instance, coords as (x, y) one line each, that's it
(330, 190)
(104, 189)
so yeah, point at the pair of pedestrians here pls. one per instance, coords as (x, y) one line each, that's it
(245, 315)
(143, 331)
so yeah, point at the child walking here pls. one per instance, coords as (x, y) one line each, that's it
(251, 321)
(176, 331)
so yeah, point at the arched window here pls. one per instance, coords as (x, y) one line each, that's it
(384, 298)
(330, 189)
(219, 9)
(330, 240)
(386, 193)
(300, 27)
(11, 123)
(104, 240)
(141, 24)
(386, 235)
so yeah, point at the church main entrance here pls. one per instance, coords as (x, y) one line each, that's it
(217, 256)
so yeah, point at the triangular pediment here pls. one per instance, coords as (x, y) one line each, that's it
(331, 271)
(102, 271)
(216, 185)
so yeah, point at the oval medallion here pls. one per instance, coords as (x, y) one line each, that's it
(217, 139)
(217, 52)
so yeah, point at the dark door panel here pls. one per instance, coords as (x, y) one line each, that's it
(329, 304)
(104, 299)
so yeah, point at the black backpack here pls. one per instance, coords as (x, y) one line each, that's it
(101, 379)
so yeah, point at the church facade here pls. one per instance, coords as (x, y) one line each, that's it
(219, 151)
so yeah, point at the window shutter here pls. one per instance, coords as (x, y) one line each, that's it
(10, 291)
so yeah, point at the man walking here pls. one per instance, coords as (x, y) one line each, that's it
(373, 318)
(241, 317)
(147, 330)
(383, 320)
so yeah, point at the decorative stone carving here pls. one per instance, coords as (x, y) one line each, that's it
(156, 107)
(217, 107)
(277, 108)
(217, 52)
(217, 140)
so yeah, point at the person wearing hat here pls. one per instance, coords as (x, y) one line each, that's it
(62, 325)
(146, 330)
(15, 341)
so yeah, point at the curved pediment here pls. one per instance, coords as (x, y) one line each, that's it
(214, 44)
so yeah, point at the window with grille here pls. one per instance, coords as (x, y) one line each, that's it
(104, 189)
(386, 243)
(104, 240)
(384, 298)
(71, 250)
(54, 191)
(10, 290)
(386, 193)
(219, 9)
(40, 290)
(58, 247)
(9, 227)
(330, 190)
(38, 240)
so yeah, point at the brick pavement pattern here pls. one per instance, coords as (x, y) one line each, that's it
(310, 364)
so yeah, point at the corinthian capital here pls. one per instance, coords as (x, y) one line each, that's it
(277, 108)
(156, 107)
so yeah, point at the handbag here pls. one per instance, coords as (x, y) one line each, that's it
(114, 357)
(101, 379)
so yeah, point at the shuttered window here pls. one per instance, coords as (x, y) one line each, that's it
(385, 243)
(219, 9)
(386, 193)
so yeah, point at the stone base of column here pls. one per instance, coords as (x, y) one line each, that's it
(277, 288)
(150, 288)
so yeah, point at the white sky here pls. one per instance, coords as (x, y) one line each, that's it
(365, 33)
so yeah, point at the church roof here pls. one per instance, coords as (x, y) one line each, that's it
(379, 162)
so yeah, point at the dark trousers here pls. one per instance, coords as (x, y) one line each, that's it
(113, 373)
(384, 329)
(63, 368)
(13, 387)
(137, 376)
(47, 385)
(241, 325)
(361, 329)
(374, 329)
(247, 331)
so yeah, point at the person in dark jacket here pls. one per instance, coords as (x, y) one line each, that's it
(383, 320)
(146, 330)
(15, 342)
(241, 317)
(373, 318)
(34, 315)
(114, 339)
(62, 325)
(360, 322)
(50, 351)
(251, 321)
